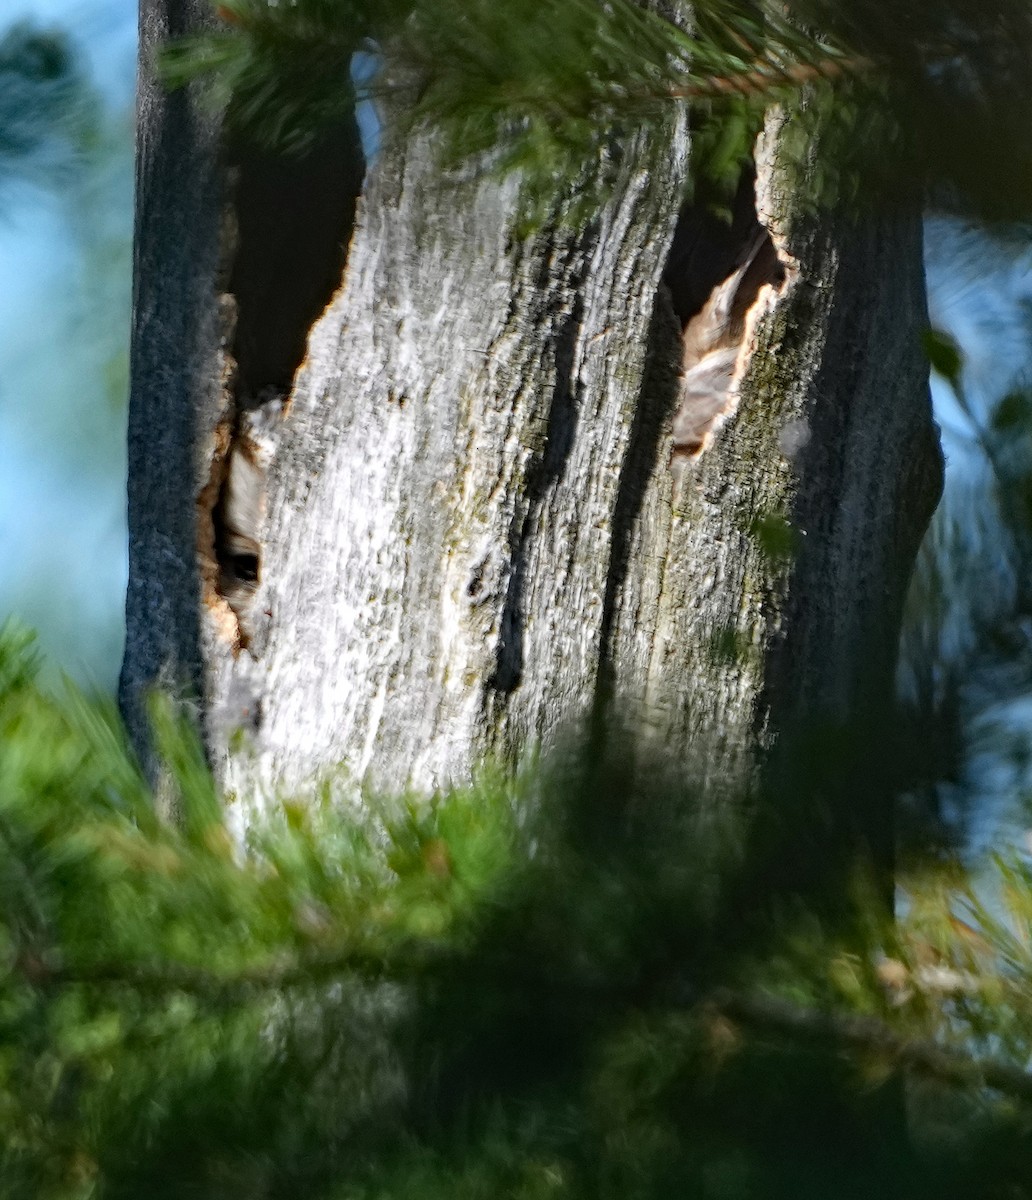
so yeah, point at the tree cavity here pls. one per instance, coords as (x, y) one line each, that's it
(287, 226)
(719, 264)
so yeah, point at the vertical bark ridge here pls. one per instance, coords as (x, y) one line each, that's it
(175, 385)
(447, 476)
(543, 475)
(754, 629)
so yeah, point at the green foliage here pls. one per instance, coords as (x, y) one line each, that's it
(944, 355)
(562, 89)
(954, 73)
(514, 989)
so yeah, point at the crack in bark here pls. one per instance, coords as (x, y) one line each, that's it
(646, 432)
(563, 415)
(286, 228)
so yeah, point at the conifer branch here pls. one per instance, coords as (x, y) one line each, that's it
(863, 1033)
(764, 76)
(848, 1031)
(302, 971)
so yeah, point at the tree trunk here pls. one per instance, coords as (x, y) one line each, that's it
(477, 532)
(175, 383)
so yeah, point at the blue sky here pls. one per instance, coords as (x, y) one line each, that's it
(64, 318)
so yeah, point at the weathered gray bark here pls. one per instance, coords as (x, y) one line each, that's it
(474, 535)
(175, 385)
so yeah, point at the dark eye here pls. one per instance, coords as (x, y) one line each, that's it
(245, 567)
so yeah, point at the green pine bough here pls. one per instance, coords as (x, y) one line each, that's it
(485, 990)
(930, 100)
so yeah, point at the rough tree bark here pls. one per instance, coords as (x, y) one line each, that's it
(476, 532)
